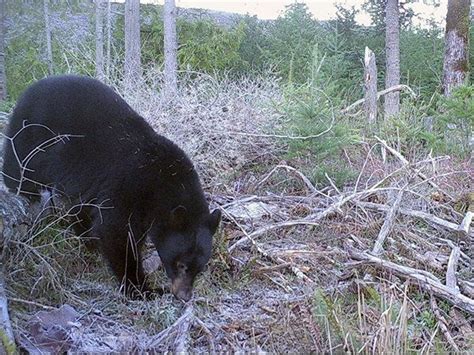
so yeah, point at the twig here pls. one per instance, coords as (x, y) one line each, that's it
(388, 224)
(424, 281)
(208, 333)
(442, 324)
(250, 237)
(181, 342)
(265, 229)
(400, 157)
(451, 271)
(32, 303)
(289, 168)
(182, 324)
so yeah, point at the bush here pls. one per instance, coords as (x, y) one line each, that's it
(311, 113)
(456, 120)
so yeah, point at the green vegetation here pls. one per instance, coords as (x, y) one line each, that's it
(320, 64)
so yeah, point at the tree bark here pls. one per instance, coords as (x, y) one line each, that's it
(370, 83)
(109, 40)
(99, 39)
(47, 28)
(392, 53)
(456, 52)
(132, 43)
(171, 50)
(3, 76)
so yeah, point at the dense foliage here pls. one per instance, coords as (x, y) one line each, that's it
(315, 61)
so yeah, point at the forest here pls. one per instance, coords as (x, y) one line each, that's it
(339, 155)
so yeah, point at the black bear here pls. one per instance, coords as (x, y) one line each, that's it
(76, 137)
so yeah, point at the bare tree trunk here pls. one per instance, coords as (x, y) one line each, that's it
(370, 83)
(171, 50)
(392, 53)
(3, 76)
(456, 52)
(132, 43)
(99, 39)
(47, 28)
(109, 39)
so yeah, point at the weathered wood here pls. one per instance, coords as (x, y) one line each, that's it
(388, 224)
(399, 155)
(423, 279)
(451, 271)
(370, 83)
(413, 213)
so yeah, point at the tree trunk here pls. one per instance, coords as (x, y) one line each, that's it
(370, 83)
(109, 39)
(456, 52)
(3, 76)
(171, 50)
(99, 39)
(392, 53)
(47, 28)
(132, 43)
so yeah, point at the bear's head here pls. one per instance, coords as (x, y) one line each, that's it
(185, 247)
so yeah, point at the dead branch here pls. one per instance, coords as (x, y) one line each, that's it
(443, 324)
(423, 281)
(467, 287)
(265, 229)
(279, 261)
(380, 94)
(388, 224)
(465, 225)
(180, 329)
(400, 157)
(413, 213)
(306, 181)
(181, 342)
(452, 267)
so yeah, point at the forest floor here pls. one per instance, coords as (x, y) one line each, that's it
(381, 265)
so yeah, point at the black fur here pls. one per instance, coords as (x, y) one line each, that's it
(76, 136)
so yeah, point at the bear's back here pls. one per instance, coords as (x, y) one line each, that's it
(99, 145)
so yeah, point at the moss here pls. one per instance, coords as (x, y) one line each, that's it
(7, 344)
(458, 18)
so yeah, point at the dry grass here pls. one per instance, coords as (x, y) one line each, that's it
(281, 278)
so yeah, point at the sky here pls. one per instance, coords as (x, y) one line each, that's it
(321, 9)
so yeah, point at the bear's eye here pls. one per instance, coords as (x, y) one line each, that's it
(181, 267)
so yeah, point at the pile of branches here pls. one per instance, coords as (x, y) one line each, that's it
(418, 215)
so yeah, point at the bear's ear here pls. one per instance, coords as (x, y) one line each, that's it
(178, 217)
(214, 219)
